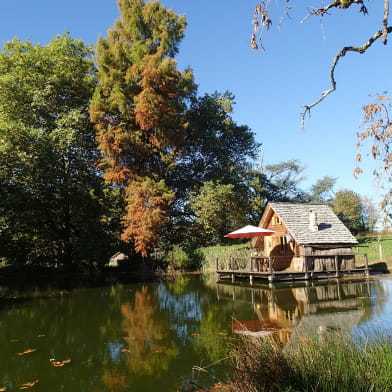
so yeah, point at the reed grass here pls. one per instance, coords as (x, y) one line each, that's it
(328, 364)
(223, 253)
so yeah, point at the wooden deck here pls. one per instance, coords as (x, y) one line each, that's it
(263, 268)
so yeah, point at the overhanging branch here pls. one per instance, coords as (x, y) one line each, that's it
(342, 53)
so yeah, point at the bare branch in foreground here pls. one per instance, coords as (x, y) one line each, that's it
(335, 4)
(342, 53)
(385, 22)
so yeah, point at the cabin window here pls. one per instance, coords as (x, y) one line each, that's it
(276, 220)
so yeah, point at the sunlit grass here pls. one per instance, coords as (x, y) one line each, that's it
(376, 248)
(325, 364)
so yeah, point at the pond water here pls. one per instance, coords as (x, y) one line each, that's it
(119, 335)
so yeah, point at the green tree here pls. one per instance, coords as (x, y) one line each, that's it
(138, 109)
(283, 182)
(278, 182)
(218, 211)
(322, 191)
(51, 195)
(348, 206)
(216, 149)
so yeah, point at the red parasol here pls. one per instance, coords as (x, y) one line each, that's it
(249, 232)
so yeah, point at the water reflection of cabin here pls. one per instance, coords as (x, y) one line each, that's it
(308, 310)
(309, 241)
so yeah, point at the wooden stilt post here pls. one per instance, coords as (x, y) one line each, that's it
(337, 266)
(271, 274)
(366, 265)
(338, 286)
(216, 269)
(306, 267)
(232, 268)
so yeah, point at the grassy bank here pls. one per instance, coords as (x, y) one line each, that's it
(378, 249)
(326, 364)
(223, 252)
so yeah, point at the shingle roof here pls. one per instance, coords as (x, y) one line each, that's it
(296, 218)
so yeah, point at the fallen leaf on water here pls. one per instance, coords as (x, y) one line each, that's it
(28, 385)
(55, 363)
(222, 333)
(40, 336)
(14, 340)
(28, 351)
(125, 350)
(377, 321)
(195, 334)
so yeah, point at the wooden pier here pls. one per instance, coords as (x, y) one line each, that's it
(263, 268)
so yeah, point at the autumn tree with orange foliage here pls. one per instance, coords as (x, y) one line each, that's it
(138, 110)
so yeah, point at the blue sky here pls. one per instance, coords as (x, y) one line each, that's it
(269, 86)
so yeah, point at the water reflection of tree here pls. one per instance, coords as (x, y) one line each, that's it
(148, 347)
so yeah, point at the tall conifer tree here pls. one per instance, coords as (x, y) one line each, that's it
(138, 110)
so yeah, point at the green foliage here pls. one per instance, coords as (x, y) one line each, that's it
(279, 182)
(223, 253)
(184, 258)
(51, 195)
(321, 191)
(217, 150)
(218, 210)
(348, 206)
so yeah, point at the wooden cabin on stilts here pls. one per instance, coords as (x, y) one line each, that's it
(308, 242)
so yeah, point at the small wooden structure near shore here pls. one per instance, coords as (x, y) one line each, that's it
(309, 242)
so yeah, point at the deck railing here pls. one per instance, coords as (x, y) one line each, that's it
(251, 264)
(314, 263)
